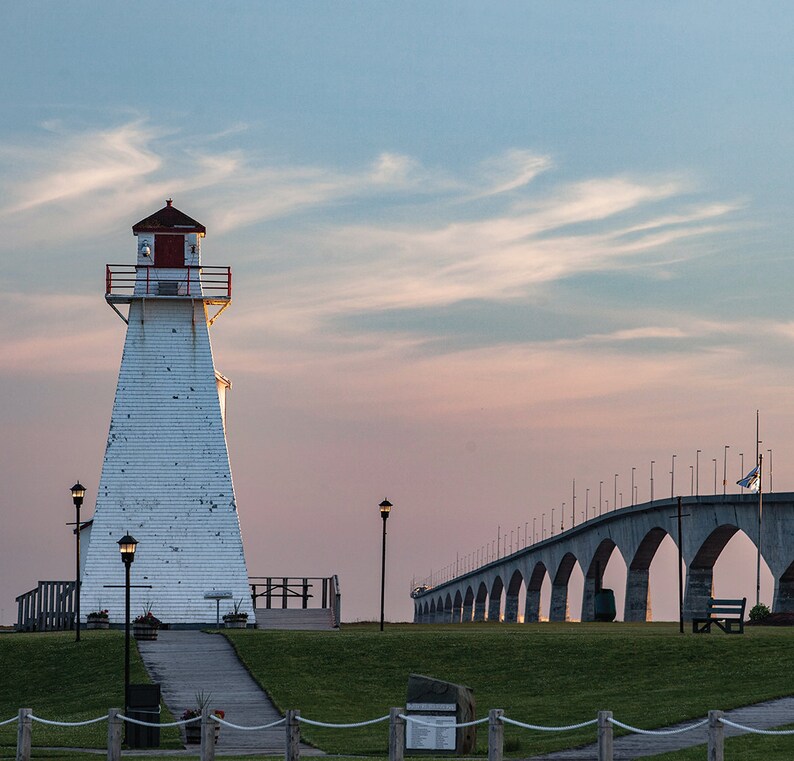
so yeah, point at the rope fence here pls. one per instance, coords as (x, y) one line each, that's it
(398, 720)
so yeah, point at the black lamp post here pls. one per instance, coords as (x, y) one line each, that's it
(127, 546)
(78, 492)
(385, 507)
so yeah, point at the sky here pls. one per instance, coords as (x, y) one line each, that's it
(479, 250)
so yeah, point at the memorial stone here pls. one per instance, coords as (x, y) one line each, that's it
(443, 704)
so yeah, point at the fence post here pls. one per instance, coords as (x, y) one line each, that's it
(207, 735)
(496, 734)
(605, 736)
(24, 726)
(716, 745)
(292, 748)
(396, 734)
(114, 735)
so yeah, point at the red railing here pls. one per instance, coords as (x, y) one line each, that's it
(189, 282)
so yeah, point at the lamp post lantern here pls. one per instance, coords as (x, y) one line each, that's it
(385, 508)
(127, 545)
(78, 492)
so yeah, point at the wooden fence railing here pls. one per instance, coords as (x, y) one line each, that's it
(47, 608)
(297, 592)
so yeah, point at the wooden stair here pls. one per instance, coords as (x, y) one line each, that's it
(295, 619)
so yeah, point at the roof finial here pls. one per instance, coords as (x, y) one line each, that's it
(169, 201)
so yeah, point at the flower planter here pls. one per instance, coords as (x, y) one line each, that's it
(97, 622)
(193, 733)
(235, 622)
(144, 631)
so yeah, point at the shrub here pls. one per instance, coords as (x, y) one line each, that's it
(759, 612)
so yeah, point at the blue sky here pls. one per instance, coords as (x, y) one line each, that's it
(479, 250)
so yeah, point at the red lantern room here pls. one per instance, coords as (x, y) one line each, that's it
(168, 264)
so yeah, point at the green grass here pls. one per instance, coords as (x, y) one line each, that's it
(64, 680)
(747, 748)
(649, 675)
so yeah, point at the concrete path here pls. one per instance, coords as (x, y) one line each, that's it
(188, 662)
(767, 715)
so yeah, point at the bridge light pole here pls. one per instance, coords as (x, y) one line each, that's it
(725, 469)
(562, 517)
(672, 477)
(615, 500)
(714, 460)
(770, 470)
(632, 485)
(600, 484)
(741, 461)
(573, 503)
(652, 462)
(691, 480)
(543, 526)
(534, 533)
(552, 521)
(697, 473)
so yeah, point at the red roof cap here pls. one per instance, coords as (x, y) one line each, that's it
(168, 219)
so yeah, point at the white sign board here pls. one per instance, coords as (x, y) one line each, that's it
(431, 707)
(440, 736)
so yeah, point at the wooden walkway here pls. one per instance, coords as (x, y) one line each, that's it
(767, 715)
(188, 662)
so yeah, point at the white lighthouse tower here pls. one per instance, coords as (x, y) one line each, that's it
(166, 477)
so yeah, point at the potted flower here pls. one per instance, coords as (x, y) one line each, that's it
(237, 618)
(146, 625)
(193, 729)
(97, 619)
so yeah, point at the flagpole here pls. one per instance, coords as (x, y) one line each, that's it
(758, 544)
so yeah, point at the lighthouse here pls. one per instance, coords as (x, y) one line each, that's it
(166, 477)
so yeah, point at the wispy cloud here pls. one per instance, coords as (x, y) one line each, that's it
(482, 233)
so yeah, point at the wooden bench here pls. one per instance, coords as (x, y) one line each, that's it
(728, 615)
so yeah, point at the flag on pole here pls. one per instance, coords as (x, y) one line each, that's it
(752, 480)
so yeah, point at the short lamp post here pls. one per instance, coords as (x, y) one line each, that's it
(78, 492)
(127, 545)
(385, 508)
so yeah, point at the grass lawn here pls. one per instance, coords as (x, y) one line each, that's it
(64, 680)
(649, 675)
(550, 674)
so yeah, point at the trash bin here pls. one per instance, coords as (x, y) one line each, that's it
(605, 605)
(143, 704)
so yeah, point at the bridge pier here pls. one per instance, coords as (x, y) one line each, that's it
(511, 609)
(494, 608)
(457, 612)
(532, 609)
(699, 588)
(783, 600)
(468, 613)
(638, 595)
(558, 610)
(588, 599)
(479, 610)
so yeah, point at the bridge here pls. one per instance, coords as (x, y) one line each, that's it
(637, 532)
